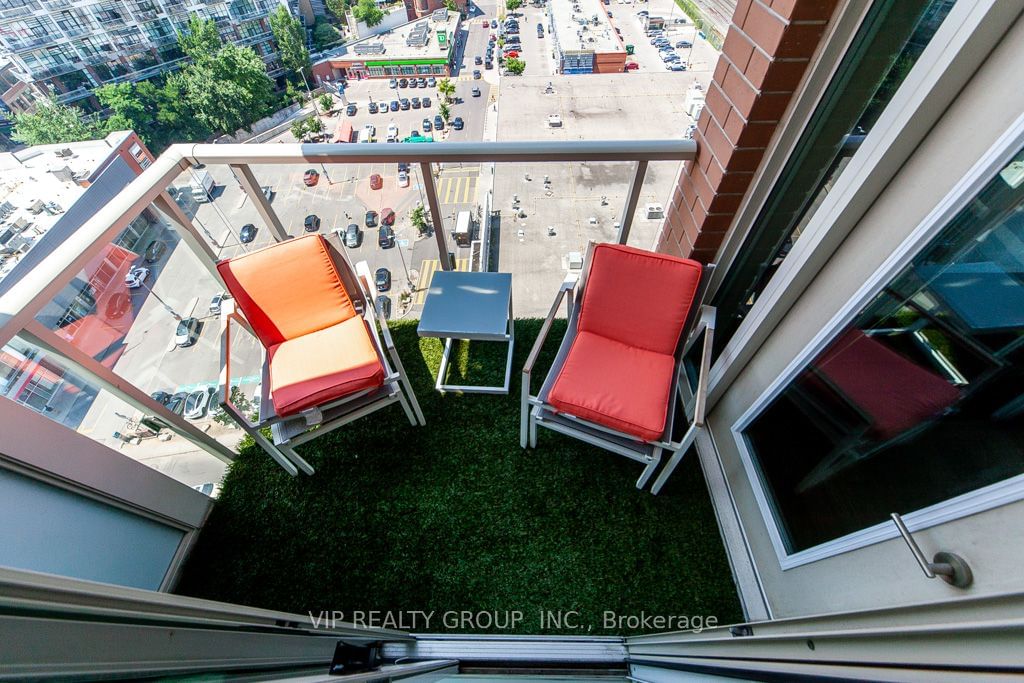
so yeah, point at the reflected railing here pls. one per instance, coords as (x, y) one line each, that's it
(111, 331)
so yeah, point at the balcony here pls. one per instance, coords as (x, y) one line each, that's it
(454, 515)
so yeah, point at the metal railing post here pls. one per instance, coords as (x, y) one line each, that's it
(251, 187)
(632, 198)
(95, 372)
(430, 188)
(189, 235)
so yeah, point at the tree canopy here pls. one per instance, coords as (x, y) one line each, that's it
(291, 41)
(337, 8)
(515, 66)
(513, 5)
(200, 40)
(367, 12)
(52, 123)
(229, 91)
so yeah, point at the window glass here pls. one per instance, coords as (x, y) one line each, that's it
(919, 400)
(888, 44)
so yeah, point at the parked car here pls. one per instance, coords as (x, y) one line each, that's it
(632, 66)
(403, 179)
(684, 43)
(216, 301)
(426, 102)
(352, 236)
(371, 219)
(676, 67)
(458, 123)
(438, 123)
(176, 403)
(488, 64)
(136, 276)
(187, 331)
(476, 74)
(403, 83)
(196, 404)
(384, 108)
(382, 278)
(392, 137)
(404, 102)
(422, 82)
(351, 109)
(312, 223)
(393, 83)
(413, 83)
(427, 126)
(247, 234)
(494, 23)
(476, 91)
(311, 177)
(385, 237)
(431, 82)
(403, 166)
(268, 193)
(415, 102)
(161, 397)
(384, 306)
(372, 107)
(395, 105)
(478, 60)
(154, 250)
(376, 181)
(387, 216)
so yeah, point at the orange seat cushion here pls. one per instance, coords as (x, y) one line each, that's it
(322, 366)
(615, 385)
(638, 297)
(288, 289)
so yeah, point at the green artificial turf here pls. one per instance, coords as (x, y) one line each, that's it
(455, 516)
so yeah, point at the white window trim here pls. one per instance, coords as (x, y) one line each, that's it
(994, 495)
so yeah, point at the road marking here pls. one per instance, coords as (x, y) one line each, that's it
(427, 269)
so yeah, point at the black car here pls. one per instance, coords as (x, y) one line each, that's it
(458, 123)
(488, 64)
(371, 219)
(403, 166)
(312, 223)
(403, 83)
(372, 107)
(415, 102)
(426, 102)
(176, 403)
(494, 23)
(351, 109)
(385, 237)
(384, 306)
(405, 104)
(476, 74)
(161, 397)
(394, 105)
(540, 32)
(247, 233)
(382, 278)
(478, 60)
(438, 123)
(154, 250)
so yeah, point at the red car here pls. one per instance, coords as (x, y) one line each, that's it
(632, 66)
(511, 53)
(387, 217)
(310, 178)
(376, 182)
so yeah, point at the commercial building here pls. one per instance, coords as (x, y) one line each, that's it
(68, 49)
(424, 47)
(857, 178)
(584, 38)
(417, 9)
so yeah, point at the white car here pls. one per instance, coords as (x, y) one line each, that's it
(216, 301)
(136, 276)
(196, 404)
(403, 179)
(392, 133)
(554, 121)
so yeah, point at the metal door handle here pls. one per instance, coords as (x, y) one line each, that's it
(950, 567)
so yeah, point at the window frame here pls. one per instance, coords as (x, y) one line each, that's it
(1006, 147)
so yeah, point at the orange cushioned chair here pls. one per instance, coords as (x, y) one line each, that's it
(324, 362)
(617, 375)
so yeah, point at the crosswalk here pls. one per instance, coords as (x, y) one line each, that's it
(453, 189)
(427, 269)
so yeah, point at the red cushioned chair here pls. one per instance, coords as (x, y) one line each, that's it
(619, 373)
(324, 361)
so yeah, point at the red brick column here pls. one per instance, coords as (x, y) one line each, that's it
(767, 49)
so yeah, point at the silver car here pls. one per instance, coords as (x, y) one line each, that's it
(352, 235)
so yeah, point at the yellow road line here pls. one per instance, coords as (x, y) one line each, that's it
(427, 270)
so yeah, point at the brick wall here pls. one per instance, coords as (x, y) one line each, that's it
(767, 49)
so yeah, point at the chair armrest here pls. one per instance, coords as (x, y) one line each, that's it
(546, 327)
(708, 323)
(227, 316)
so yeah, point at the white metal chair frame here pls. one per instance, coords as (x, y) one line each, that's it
(292, 430)
(536, 411)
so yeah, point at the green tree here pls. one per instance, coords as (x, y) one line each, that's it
(513, 5)
(158, 113)
(200, 40)
(326, 102)
(337, 8)
(229, 91)
(53, 123)
(445, 111)
(514, 65)
(451, 5)
(242, 403)
(291, 41)
(446, 88)
(324, 34)
(367, 12)
(314, 125)
(418, 217)
(298, 129)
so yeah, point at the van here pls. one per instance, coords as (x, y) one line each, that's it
(463, 229)
(202, 186)
(366, 135)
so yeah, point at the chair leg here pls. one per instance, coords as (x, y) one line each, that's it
(274, 452)
(405, 406)
(691, 435)
(411, 395)
(649, 470)
(533, 430)
(299, 461)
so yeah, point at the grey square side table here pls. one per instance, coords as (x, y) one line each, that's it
(471, 306)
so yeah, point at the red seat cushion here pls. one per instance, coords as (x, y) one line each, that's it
(615, 385)
(638, 297)
(893, 392)
(322, 366)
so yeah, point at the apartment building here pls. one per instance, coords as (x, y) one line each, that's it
(68, 49)
(857, 180)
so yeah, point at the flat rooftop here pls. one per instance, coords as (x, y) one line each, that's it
(583, 25)
(414, 40)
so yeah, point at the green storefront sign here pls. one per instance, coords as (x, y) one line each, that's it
(409, 62)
